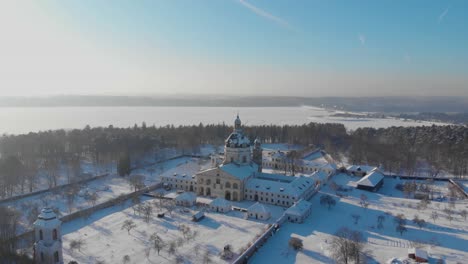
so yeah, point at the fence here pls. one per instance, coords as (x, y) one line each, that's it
(244, 257)
(26, 239)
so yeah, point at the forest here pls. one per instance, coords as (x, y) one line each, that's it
(396, 149)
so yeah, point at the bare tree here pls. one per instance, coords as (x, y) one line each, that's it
(172, 248)
(327, 200)
(137, 182)
(207, 257)
(147, 212)
(400, 222)
(135, 201)
(380, 221)
(158, 243)
(9, 220)
(126, 259)
(76, 244)
(295, 243)
(169, 205)
(434, 216)
(196, 249)
(464, 213)
(418, 221)
(347, 245)
(364, 201)
(93, 197)
(128, 225)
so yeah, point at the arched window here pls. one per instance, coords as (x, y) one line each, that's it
(228, 185)
(235, 186)
(41, 235)
(54, 234)
(208, 181)
(56, 257)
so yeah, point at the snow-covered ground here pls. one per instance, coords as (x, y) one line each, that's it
(442, 238)
(105, 240)
(106, 188)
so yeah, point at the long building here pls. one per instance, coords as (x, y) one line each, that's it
(239, 176)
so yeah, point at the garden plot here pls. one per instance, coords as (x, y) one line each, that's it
(105, 240)
(443, 237)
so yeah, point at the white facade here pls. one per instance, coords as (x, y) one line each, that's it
(186, 199)
(299, 211)
(258, 211)
(220, 205)
(309, 163)
(48, 238)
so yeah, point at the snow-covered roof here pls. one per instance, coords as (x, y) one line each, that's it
(299, 208)
(186, 196)
(239, 171)
(237, 140)
(185, 171)
(371, 179)
(220, 202)
(312, 155)
(364, 168)
(47, 219)
(258, 208)
(294, 188)
(418, 252)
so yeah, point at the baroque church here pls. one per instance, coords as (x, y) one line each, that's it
(239, 176)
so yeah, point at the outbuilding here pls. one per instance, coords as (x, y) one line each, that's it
(220, 205)
(299, 211)
(372, 182)
(198, 216)
(258, 211)
(186, 199)
(417, 254)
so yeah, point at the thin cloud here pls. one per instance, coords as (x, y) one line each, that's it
(443, 14)
(260, 12)
(362, 39)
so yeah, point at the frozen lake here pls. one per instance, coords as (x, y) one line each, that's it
(17, 120)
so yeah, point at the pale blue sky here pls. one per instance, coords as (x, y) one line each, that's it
(278, 47)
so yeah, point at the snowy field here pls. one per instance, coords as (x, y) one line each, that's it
(105, 240)
(105, 188)
(442, 238)
(17, 120)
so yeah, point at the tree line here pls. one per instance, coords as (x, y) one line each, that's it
(52, 153)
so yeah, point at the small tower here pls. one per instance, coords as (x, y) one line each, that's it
(48, 238)
(237, 124)
(237, 146)
(257, 154)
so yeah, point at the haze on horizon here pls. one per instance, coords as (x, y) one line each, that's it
(234, 47)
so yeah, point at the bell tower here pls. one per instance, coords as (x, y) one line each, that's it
(48, 238)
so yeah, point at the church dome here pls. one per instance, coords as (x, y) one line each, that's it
(237, 140)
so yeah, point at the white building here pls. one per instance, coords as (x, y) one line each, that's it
(308, 162)
(239, 177)
(299, 211)
(47, 238)
(220, 205)
(360, 170)
(187, 199)
(258, 211)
